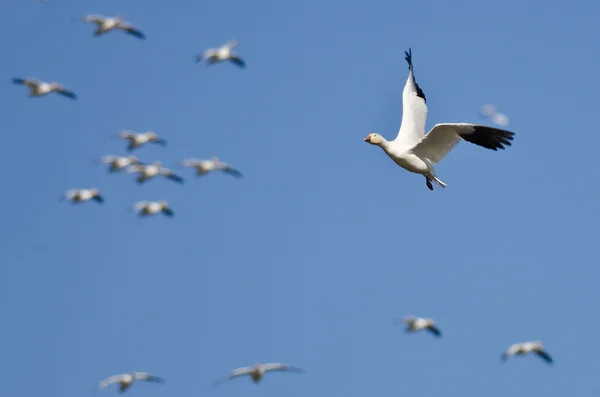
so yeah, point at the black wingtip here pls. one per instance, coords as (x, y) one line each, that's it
(409, 57)
(489, 137)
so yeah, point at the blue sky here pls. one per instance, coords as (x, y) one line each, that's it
(310, 257)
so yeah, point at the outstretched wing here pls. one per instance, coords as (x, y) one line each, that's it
(132, 30)
(28, 82)
(435, 331)
(148, 377)
(281, 367)
(444, 137)
(414, 110)
(234, 374)
(97, 19)
(109, 381)
(67, 93)
(238, 61)
(544, 355)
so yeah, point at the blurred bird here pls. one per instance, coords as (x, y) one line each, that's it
(119, 163)
(498, 118)
(145, 208)
(415, 324)
(524, 348)
(139, 139)
(416, 152)
(205, 166)
(152, 170)
(81, 195)
(40, 88)
(105, 25)
(126, 380)
(224, 53)
(258, 371)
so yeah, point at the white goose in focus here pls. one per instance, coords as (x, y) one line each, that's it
(536, 347)
(221, 54)
(152, 170)
(39, 88)
(126, 380)
(81, 195)
(205, 166)
(145, 208)
(416, 324)
(258, 370)
(105, 25)
(119, 163)
(137, 140)
(416, 152)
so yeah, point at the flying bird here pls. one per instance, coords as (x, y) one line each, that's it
(152, 170)
(105, 25)
(258, 370)
(119, 163)
(145, 208)
(489, 111)
(126, 380)
(139, 139)
(81, 195)
(221, 54)
(40, 88)
(415, 324)
(205, 166)
(524, 348)
(416, 152)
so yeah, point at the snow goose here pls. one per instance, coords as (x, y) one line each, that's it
(139, 139)
(205, 166)
(126, 380)
(81, 195)
(523, 348)
(119, 163)
(40, 88)
(221, 54)
(489, 111)
(145, 208)
(416, 152)
(416, 324)
(258, 370)
(105, 25)
(151, 170)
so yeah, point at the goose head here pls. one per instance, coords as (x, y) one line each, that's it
(374, 139)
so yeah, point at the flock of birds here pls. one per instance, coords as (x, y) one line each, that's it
(135, 140)
(412, 150)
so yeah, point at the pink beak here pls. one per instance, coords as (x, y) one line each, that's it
(368, 139)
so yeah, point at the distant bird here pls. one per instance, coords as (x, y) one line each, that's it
(205, 166)
(139, 139)
(536, 347)
(40, 88)
(221, 54)
(126, 380)
(497, 118)
(81, 195)
(152, 170)
(258, 371)
(416, 152)
(146, 208)
(119, 163)
(105, 25)
(415, 324)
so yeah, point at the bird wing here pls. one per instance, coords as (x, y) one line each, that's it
(148, 377)
(140, 205)
(281, 367)
(544, 355)
(434, 330)
(190, 162)
(171, 175)
(235, 373)
(31, 83)
(444, 137)
(132, 30)
(65, 92)
(136, 168)
(108, 159)
(109, 381)
(97, 19)
(414, 110)
(237, 60)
